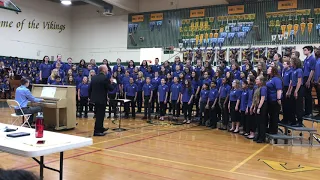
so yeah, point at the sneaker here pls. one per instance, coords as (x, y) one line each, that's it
(188, 122)
(184, 121)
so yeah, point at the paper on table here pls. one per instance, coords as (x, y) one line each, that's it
(47, 143)
(48, 92)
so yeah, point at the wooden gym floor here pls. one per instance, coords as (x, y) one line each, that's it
(165, 151)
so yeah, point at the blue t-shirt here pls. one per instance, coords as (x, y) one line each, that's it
(140, 83)
(115, 68)
(162, 89)
(147, 88)
(143, 69)
(186, 94)
(84, 90)
(213, 95)
(273, 85)
(317, 71)
(45, 70)
(225, 90)
(296, 74)
(309, 65)
(131, 89)
(156, 68)
(235, 94)
(115, 89)
(204, 95)
(174, 67)
(250, 97)
(125, 81)
(155, 83)
(175, 91)
(264, 92)
(236, 74)
(195, 84)
(244, 100)
(219, 82)
(177, 73)
(208, 81)
(286, 76)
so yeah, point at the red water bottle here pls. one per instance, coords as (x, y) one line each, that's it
(39, 126)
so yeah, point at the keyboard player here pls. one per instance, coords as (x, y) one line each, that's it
(23, 96)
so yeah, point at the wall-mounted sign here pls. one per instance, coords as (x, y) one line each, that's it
(156, 17)
(291, 4)
(236, 9)
(24, 24)
(197, 13)
(137, 18)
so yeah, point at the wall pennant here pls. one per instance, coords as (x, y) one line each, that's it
(130, 28)
(286, 35)
(230, 37)
(159, 24)
(280, 37)
(292, 35)
(220, 42)
(318, 29)
(241, 36)
(151, 25)
(214, 42)
(135, 27)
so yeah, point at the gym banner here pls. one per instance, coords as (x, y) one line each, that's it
(156, 17)
(236, 9)
(291, 4)
(197, 13)
(137, 18)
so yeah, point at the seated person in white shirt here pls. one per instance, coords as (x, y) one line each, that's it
(23, 96)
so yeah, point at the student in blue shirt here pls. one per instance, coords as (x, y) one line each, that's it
(277, 59)
(83, 96)
(203, 104)
(175, 90)
(196, 83)
(250, 118)
(316, 78)
(68, 65)
(131, 66)
(213, 99)
(235, 71)
(155, 84)
(296, 91)
(23, 96)
(176, 63)
(260, 108)
(198, 68)
(94, 65)
(186, 98)
(286, 97)
(45, 70)
(134, 75)
(187, 73)
(147, 93)
(149, 73)
(234, 106)
(118, 65)
(177, 71)
(224, 92)
(308, 71)
(163, 72)
(156, 66)
(144, 66)
(163, 90)
(52, 77)
(60, 71)
(131, 91)
(243, 108)
(125, 80)
(169, 82)
(140, 82)
(112, 95)
(274, 87)
(59, 60)
(206, 79)
(57, 81)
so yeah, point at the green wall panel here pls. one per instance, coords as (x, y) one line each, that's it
(169, 32)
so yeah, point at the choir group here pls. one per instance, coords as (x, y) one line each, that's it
(251, 98)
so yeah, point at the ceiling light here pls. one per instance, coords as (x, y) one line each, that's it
(66, 2)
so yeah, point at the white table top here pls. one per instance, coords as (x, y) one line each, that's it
(27, 146)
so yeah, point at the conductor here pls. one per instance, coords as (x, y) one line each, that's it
(98, 91)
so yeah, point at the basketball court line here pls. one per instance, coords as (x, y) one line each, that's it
(248, 158)
(181, 163)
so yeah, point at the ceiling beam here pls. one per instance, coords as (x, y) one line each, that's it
(128, 5)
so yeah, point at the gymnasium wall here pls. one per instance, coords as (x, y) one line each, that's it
(31, 42)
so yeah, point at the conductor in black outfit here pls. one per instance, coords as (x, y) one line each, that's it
(98, 91)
